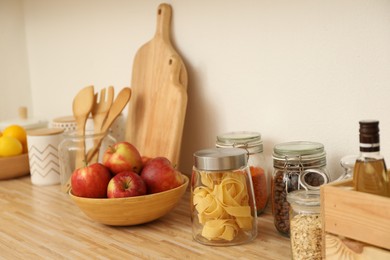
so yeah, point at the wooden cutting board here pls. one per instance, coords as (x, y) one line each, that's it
(159, 101)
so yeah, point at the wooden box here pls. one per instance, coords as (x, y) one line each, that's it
(356, 225)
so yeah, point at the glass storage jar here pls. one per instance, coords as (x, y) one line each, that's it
(223, 211)
(71, 145)
(297, 165)
(305, 224)
(253, 144)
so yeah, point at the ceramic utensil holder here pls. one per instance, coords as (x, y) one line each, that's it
(43, 155)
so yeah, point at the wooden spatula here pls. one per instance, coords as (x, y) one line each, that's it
(82, 106)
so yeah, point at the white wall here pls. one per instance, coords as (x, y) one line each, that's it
(14, 76)
(292, 70)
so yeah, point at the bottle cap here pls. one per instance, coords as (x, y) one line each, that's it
(369, 135)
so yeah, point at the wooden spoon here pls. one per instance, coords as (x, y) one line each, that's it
(117, 107)
(82, 106)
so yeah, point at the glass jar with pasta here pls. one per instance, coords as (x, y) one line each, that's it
(253, 144)
(223, 210)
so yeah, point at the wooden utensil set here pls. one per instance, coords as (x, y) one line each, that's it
(104, 111)
(156, 115)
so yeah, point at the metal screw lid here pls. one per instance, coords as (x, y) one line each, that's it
(217, 159)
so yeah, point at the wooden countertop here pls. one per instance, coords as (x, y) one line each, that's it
(42, 222)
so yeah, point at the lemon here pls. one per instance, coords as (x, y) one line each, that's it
(10, 146)
(17, 132)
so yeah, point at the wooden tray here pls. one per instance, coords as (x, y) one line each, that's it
(14, 166)
(158, 104)
(354, 220)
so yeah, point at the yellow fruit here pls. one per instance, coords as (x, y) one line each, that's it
(17, 132)
(10, 146)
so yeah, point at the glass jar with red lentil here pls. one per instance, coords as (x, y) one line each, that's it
(253, 144)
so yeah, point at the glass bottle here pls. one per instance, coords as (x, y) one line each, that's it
(297, 165)
(253, 144)
(370, 173)
(305, 224)
(71, 145)
(223, 211)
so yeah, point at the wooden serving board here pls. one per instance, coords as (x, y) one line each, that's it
(158, 105)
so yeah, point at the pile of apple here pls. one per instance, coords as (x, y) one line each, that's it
(125, 173)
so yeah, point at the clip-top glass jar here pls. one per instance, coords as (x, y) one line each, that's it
(70, 147)
(297, 165)
(253, 144)
(305, 224)
(222, 203)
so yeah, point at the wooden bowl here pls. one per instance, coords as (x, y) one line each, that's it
(14, 166)
(132, 210)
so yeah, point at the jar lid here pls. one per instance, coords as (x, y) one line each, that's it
(241, 139)
(303, 150)
(45, 131)
(304, 197)
(216, 159)
(298, 148)
(300, 153)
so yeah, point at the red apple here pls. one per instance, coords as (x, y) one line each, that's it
(91, 181)
(126, 184)
(145, 160)
(160, 175)
(121, 157)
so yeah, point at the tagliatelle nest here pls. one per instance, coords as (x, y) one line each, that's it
(223, 205)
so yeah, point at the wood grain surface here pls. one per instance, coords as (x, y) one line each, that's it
(43, 223)
(340, 248)
(356, 215)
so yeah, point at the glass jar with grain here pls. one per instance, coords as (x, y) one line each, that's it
(305, 224)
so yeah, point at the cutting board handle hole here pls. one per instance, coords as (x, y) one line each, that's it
(170, 62)
(159, 11)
